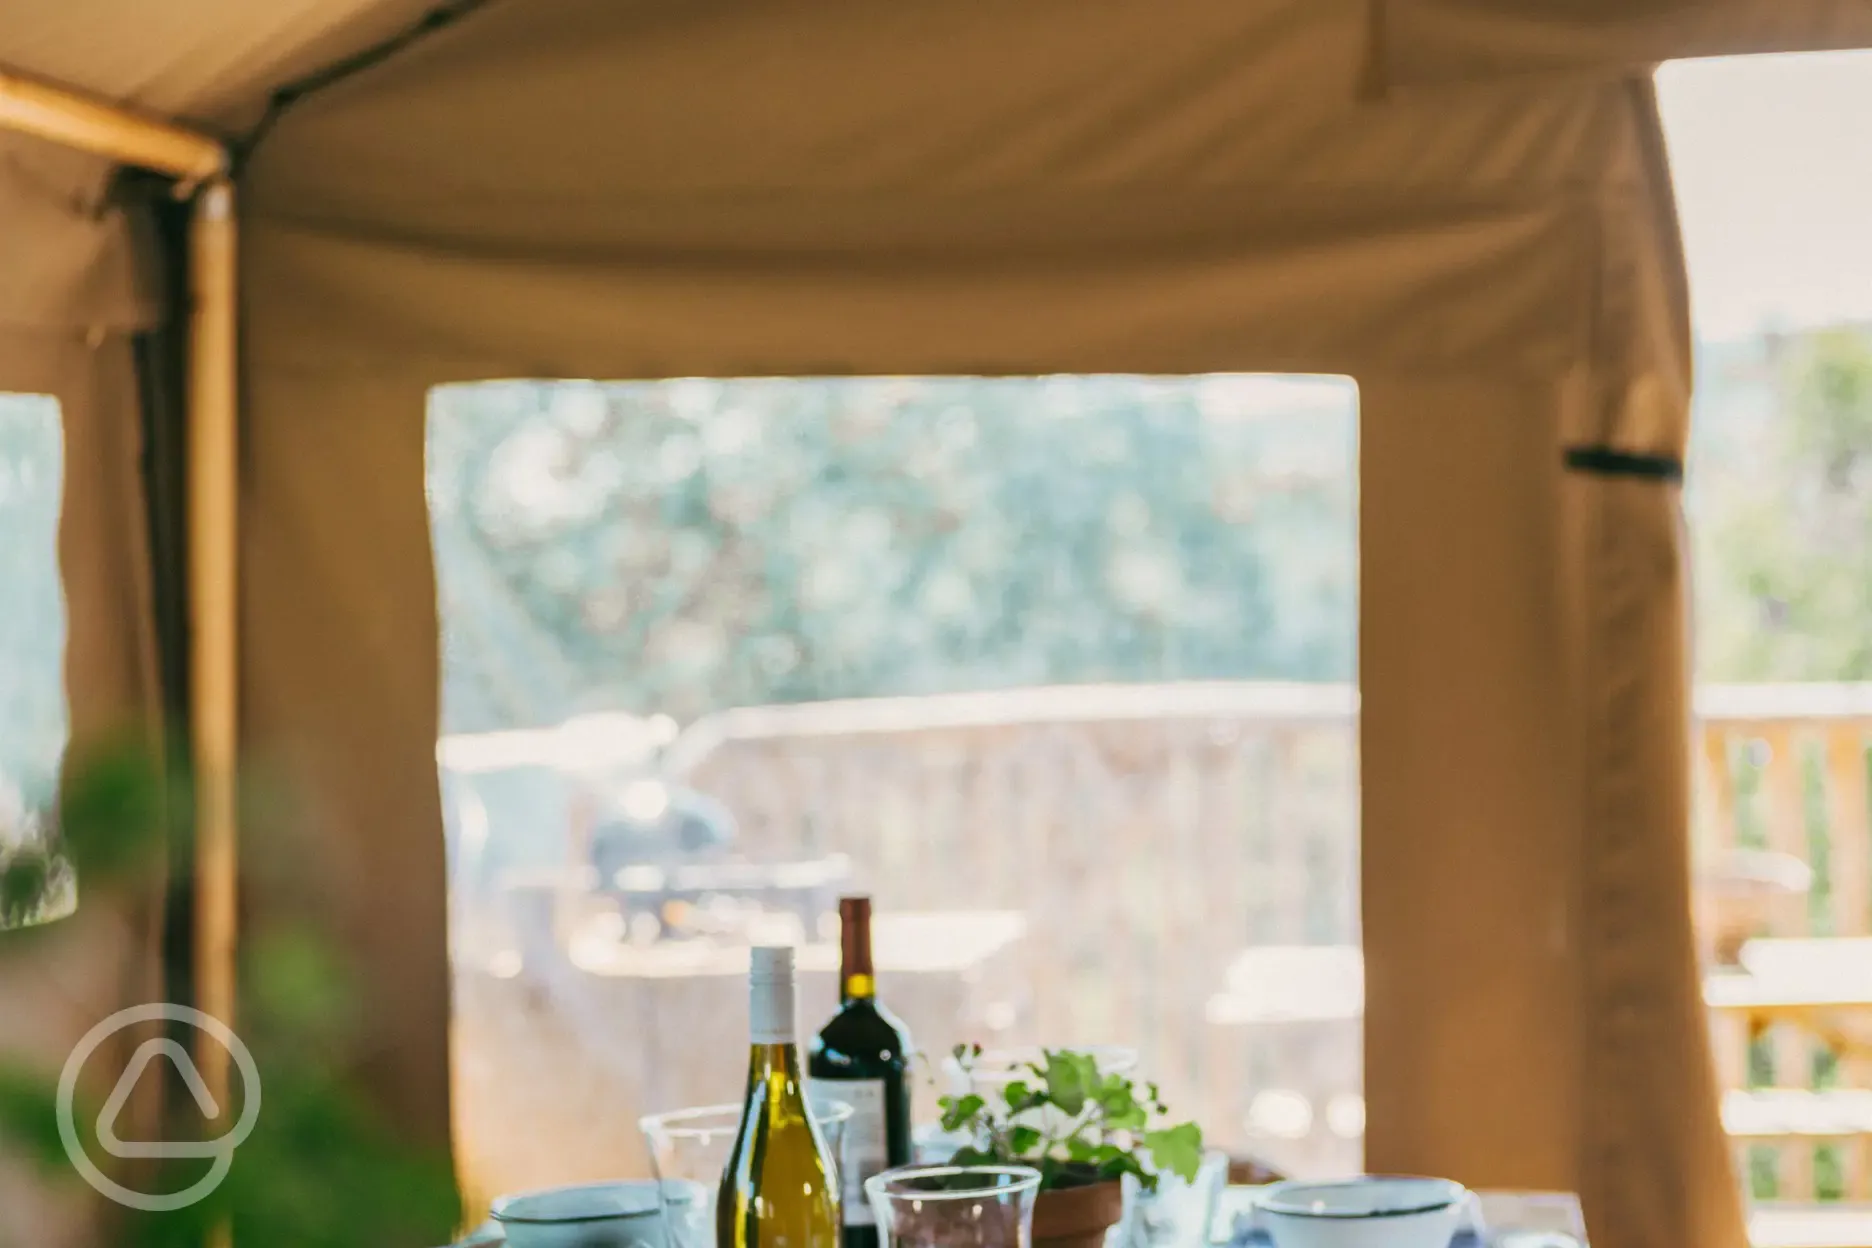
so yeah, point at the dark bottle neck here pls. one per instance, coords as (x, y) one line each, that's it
(857, 977)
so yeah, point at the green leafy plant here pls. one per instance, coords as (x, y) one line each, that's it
(1074, 1124)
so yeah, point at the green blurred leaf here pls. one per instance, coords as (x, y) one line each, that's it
(112, 821)
(295, 986)
(1130, 1119)
(1070, 1077)
(322, 1163)
(1023, 1140)
(960, 1111)
(1118, 1104)
(1177, 1149)
(25, 877)
(1114, 1162)
(29, 1118)
(1114, 1094)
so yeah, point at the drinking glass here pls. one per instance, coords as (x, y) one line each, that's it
(1534, 1220)
(689, 1149)
(955, 1206)
(1179, 1212)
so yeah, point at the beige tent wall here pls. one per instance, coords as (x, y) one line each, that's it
(69, 300)
(1472, 809)
(339, 694)
(581, 188)
(1429, 41)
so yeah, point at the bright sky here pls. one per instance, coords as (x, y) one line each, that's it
(1773, 161)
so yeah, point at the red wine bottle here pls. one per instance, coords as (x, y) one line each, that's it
(862, 1056)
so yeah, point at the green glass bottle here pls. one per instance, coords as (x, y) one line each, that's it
(780, 1188)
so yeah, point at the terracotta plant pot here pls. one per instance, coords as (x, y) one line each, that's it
(1077, 1217)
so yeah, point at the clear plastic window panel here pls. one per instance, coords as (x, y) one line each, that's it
(1060, 670)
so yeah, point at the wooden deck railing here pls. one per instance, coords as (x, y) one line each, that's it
(1153, 833)
(1783, 780)
(1149, 834)
(1152, 836)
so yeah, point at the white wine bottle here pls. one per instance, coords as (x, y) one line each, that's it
(780, 1189)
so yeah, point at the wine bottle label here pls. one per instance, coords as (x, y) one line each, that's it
(864, 1151)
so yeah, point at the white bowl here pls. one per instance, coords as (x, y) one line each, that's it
(1370, 1212)
(625, 1214)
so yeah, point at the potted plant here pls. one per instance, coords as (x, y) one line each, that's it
(1083, 1129)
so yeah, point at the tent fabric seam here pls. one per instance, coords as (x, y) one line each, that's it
(284, 98)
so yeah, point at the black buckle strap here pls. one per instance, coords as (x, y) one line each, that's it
(1604, 461)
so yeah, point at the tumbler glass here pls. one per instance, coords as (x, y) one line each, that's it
(955, 1206)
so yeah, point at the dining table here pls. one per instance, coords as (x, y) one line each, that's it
(1506, 1220)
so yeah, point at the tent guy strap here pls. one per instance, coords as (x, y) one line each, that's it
(1606, 461)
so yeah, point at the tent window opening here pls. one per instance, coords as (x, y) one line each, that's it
(1060, 670)
(36, 885)
(1779, 499)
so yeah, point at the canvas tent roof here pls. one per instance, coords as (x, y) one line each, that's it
(219, 65)
(1461, 203)
(214, 63)
(217, 62)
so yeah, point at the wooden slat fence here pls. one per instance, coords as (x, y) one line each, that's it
(1783, 770)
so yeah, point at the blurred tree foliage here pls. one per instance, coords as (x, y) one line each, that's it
(686, 546)
(32, 610)
(691, 545)
(1784, 570)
